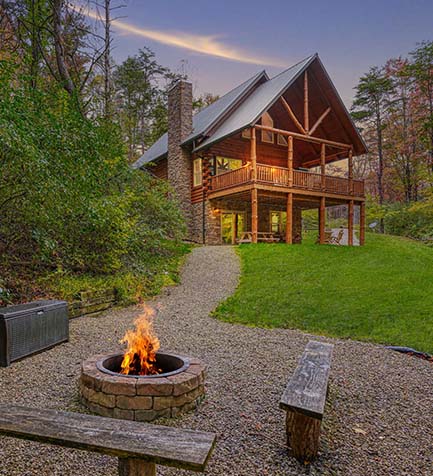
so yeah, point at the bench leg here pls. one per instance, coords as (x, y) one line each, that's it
(136, 467)
(303, 433)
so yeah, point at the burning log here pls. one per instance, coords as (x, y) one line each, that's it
(142, 345)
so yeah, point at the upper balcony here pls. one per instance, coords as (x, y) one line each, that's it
(279, 178)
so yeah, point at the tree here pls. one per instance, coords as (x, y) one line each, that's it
(141, 85)
(369, 108)
(421, 69)
(401, 136)
(203, 101)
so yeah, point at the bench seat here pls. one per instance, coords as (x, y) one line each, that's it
(304, 400)
(137, 445)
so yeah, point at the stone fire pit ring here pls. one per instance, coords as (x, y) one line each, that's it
(142, 397)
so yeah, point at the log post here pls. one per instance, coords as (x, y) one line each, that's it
(253, 155)
(289, 219)
(290, 159)
(350, 171)
(362, 224)
(322, 220)
(350, 224)
(254, 214)
(323, 165)
(306, 118)
(136, 467)
(303, 435)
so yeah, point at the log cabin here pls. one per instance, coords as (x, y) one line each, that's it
(245, 167)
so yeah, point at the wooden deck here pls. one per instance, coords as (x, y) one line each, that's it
(280, 177)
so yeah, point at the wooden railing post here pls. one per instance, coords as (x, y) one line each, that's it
(253, 155)
(322, 220)
(362, 224)
(290, 159)
(350, 171)
(254, 214)
(350, 224)
(323, 165)
(136, 467)
(289, 218)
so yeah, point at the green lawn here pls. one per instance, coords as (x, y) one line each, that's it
(382, 292)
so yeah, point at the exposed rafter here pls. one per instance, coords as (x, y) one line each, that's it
(292, 115)
(317, 140)
(318, 122)
(306, 117)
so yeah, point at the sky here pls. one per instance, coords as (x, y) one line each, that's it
(221, 43)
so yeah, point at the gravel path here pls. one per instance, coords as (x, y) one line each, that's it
(379, 420)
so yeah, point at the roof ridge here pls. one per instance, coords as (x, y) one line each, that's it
(231, 90)
(306, 59)
(236, 87)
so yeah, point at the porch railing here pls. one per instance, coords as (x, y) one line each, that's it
(279, 176)
(231, 178)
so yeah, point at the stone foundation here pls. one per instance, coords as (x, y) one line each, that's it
(140, 398)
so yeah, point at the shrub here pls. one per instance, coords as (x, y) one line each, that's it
(69, 201)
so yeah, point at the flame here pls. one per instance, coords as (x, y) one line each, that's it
(142, 345)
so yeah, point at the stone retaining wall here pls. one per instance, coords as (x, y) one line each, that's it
(92, 303)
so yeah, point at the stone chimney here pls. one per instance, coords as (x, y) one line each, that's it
(179, 162)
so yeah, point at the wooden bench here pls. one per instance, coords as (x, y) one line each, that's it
(138, 446)
(304, 400)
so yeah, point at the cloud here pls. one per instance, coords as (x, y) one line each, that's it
(206, 45)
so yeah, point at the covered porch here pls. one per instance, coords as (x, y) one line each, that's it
(259, 215)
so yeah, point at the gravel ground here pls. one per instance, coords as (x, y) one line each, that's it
(379, 418)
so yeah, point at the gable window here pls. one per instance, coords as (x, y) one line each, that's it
(267, 121)
(225, 164)
(197, 173)
(281, 140)
(246, 133)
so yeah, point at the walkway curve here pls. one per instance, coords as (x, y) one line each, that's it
(378, 421)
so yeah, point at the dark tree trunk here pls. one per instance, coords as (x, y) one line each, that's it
(107, 68)
(380, 169)
(63, 71)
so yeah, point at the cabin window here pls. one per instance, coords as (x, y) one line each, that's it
(278, 222)
(268, 122)
(197, 173)
(225, 164)
(246, 133)
(281, 140)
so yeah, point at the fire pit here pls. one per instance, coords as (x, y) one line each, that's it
(141, 383)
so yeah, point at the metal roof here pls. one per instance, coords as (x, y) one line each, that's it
(240, 110)
(157, 150)
(257, 103)
(203, 120)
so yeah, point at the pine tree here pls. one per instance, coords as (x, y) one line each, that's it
(369, 109)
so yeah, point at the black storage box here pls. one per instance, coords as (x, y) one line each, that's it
(29, 328)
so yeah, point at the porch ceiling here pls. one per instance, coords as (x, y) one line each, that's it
(278, 199)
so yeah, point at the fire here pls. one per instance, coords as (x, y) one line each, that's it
(142, 345)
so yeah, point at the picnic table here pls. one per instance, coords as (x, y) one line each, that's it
(263, 236)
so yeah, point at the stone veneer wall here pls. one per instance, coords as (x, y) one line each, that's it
(179, 160)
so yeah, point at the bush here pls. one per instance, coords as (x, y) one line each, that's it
(414, 221)
(69, 201)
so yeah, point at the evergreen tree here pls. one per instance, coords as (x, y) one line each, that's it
(369, 109)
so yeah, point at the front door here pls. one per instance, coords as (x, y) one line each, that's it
(232, 226)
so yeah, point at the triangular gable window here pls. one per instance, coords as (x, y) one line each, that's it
(267, 120)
